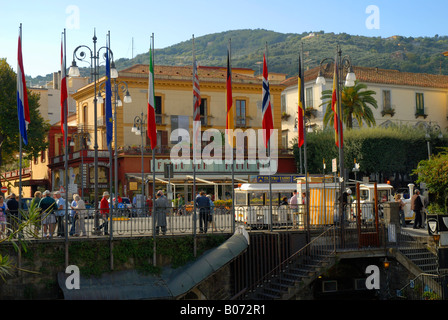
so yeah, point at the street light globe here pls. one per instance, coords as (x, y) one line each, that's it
(113, 71)
(134, 129)
(320, 79)
(100, 98)
(127, 98)
(74, 70)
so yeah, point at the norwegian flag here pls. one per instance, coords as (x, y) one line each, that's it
(196, 111)
(266, 109)
(196, 93)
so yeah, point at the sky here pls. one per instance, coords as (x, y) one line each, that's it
(175, 21)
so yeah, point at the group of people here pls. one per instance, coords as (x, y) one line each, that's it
(9, 210)
(52, 209)
(417, 205)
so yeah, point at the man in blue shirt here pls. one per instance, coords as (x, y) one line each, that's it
(60, 213)
(203, 204)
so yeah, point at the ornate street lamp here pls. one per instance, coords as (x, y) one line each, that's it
(343, 64)
(139, 128)
(94, 74)
(83, 139)
(118, 87)
(432, 129)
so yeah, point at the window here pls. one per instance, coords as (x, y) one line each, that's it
(386, 100)
(158, 111)
(329, 286)
(203, 111)
(419, 104)
(240, 113)
(309, 97)
(283, 103)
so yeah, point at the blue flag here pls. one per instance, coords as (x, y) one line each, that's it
(108, 102)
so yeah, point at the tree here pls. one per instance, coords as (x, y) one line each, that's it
(355, 104)
(9, 127)
(434, 172)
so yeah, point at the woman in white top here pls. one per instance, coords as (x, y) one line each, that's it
(80, 216)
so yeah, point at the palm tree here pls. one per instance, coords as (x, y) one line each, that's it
(355, 104)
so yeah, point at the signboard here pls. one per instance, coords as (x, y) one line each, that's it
(249, 167)
(278, 178)
(334, 165)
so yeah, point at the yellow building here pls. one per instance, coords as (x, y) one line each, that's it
(174, 109)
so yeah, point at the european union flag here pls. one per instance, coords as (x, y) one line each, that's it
(108, 102)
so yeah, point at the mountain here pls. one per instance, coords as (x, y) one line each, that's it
(420, 55)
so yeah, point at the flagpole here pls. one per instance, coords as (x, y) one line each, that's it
(307, 196)
(269, 155)
(194, 156)
(233, 149)
(20, 153)
(66, 156)
(153, 171)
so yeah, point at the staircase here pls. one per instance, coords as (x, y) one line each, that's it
(299, 270)
(418, 253)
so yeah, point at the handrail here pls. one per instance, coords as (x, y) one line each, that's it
(289, 259)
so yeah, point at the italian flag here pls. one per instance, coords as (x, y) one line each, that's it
(152, 131)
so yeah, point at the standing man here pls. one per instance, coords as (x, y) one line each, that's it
(13, 208)
(294, 206)
(60, 213)
(203, 204)
(104, 212)
(47, 206)
(417, 206)
(161, 209)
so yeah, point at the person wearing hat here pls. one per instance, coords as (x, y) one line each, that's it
(104, 212)
(47, 206)
(161, 209)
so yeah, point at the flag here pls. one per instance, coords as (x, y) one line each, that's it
(196, 109)
(108, 102)
(266, 109)
(64, 92)
(230, 118)
(334, 107)
(23, 110)
(301, 111)
(151, 114)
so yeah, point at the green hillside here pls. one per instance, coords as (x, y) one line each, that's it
(423, 54)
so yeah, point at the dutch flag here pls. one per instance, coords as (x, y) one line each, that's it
(23, 110)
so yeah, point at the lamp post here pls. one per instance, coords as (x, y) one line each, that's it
(118, 86)
(94, 74)
(81, 136)
(139, 128)
(432, 129)
(343, 64)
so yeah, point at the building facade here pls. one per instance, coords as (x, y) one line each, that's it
(174, 110)
(404, 98)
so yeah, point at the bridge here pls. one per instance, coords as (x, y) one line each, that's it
(278, 261)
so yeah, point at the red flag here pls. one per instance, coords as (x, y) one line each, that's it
(229, 118)
(301, 111)
(64, 92)
(334, 106)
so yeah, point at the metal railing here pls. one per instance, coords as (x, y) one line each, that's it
(423, 287)
(137, 221)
